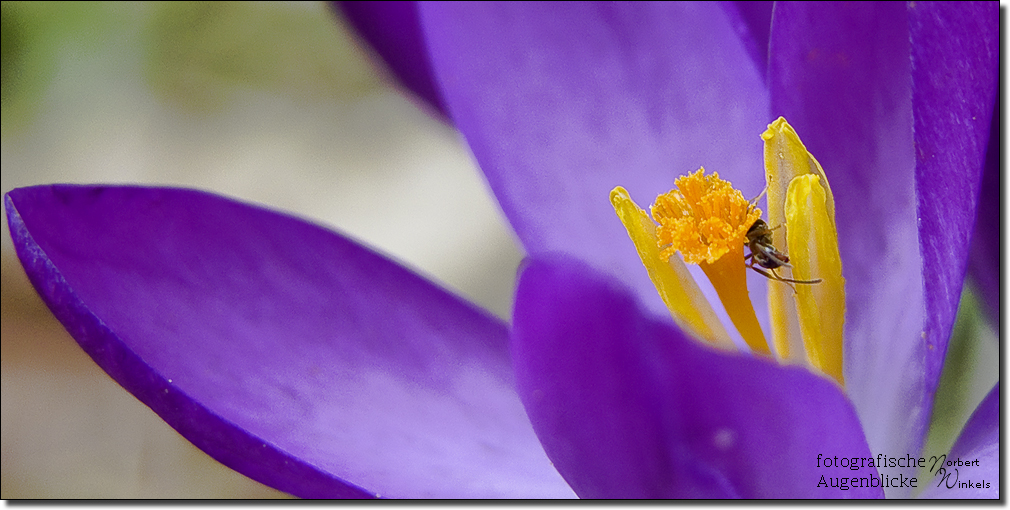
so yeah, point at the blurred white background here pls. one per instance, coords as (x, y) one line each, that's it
(270, 103)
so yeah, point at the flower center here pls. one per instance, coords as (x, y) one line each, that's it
(707, 222)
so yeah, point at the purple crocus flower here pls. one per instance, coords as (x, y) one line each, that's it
(313, 365)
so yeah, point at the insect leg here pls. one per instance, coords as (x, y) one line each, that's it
(772, 276)
(810, 282)
(754, 200)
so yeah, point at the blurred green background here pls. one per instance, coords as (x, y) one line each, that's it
(273, 103)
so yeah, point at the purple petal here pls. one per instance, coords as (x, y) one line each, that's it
(984, 256)
(392, 30)
(627, 406)
(955, 58)
(281, 349)
(978, 447)
(560, 102)
(840, 73)
(752, 21)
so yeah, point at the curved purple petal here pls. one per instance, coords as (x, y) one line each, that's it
(560, 102)
(392, 30)
(973, 464)
(840, 72)
(753, 23)
(955, 61)
(984, 257)
(283, 350)
(627, 406)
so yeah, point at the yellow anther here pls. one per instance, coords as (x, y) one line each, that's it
(673, 281)
(813, 247)
(806, 324)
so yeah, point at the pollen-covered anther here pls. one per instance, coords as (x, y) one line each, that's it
(703, 219)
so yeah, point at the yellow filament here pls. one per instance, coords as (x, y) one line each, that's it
(813, 250)
(674, 283)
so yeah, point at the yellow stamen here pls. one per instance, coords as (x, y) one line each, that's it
(786, 158)
(678, 289)
(813, 248)
(706, 220)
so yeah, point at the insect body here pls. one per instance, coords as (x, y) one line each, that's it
(764, 254)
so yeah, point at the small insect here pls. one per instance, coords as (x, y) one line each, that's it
(764, 254)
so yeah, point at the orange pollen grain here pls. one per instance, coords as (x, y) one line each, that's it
(702, 218)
